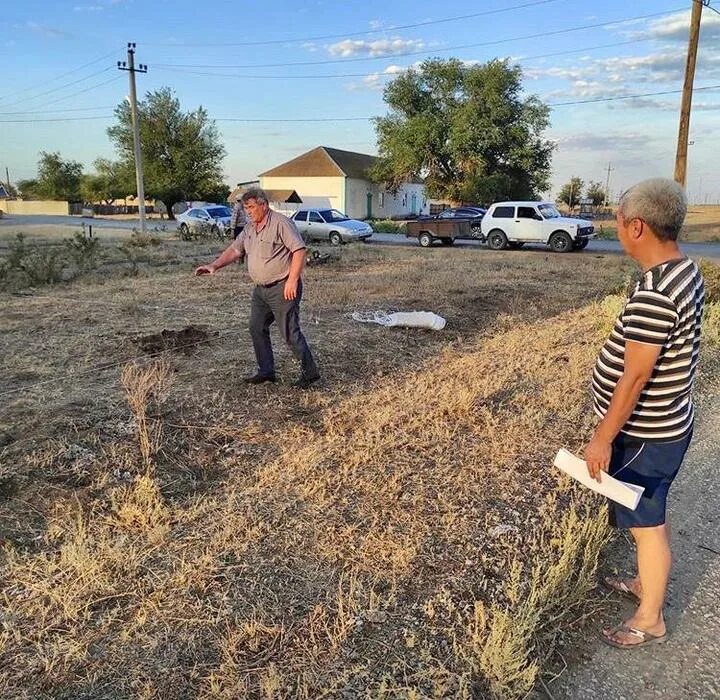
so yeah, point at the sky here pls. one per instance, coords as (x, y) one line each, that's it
(329, 60)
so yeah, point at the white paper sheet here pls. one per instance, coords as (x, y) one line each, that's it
(621, 492)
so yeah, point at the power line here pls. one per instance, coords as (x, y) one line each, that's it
(380, 30)
(365, 119)
(55, 111)
(57, 77)
(87, 89)
(385, 57)
(628, 97)
(59, 119)
(59, 87)
(390, 75)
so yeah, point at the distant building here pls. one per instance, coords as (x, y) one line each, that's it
(331, 178)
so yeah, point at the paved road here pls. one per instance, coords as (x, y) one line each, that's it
(697, 250)
(687, 667)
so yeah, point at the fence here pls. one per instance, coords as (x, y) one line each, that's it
(37, 207)
(80, 209)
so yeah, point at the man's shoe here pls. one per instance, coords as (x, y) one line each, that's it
(260, 379)
(306, 382)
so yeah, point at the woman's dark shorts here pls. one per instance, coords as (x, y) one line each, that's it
(653, 465)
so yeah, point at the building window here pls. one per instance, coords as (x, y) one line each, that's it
(382, 199)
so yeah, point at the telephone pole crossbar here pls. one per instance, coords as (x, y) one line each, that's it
(131, 69)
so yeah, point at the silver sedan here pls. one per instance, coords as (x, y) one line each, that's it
(330, 225)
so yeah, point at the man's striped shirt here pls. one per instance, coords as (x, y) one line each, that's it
(665, 309)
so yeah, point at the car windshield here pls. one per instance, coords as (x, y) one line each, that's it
(333, 215)
(219, 212)
(549, 211)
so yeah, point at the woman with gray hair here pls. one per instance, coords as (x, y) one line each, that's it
(642, 391)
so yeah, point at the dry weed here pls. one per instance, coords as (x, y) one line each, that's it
(146, 387)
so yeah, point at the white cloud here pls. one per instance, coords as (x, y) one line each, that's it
(46, 30)
(676, 27)
(374, 48)
(375, 81)
(589, 141)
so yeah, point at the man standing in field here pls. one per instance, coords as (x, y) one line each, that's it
(642, 389)
(276, 258)
(238, 218)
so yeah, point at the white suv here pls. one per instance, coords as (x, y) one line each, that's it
(512, 224)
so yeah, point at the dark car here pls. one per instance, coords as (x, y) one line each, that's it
(472, 214)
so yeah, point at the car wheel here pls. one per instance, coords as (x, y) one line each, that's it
(425, 239)
(184, 232)
(497, 240)
(476, 230)
(447, 241)
(581, 245)
(335, 238)
(560, 242)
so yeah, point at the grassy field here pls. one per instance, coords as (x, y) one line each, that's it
(169, 532)
(702, 225)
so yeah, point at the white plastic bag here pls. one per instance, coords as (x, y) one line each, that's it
(408, 319)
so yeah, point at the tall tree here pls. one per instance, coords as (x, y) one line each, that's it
(595, 192)
(111, 181)
(182, 153)
(56, 179)
(571, 192)
(466, 130)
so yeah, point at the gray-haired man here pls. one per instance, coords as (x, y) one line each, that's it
(276, 258)
(642, 390)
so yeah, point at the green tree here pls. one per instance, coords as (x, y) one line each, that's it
(571, 192)
(466, 130)
(595, 192)
(56, 179)
(111, 181)
(182, 153)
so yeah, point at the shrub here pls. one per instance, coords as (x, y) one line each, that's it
(387, 226)
(82, 250)
(711, 273)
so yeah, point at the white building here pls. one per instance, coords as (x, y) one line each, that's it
(329, 177)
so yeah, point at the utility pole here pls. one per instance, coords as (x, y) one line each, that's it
(129, 66)
(686, 104)
(607, 184)
(7, 178)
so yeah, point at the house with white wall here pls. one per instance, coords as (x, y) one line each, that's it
(332, 178)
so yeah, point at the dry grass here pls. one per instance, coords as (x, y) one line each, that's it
(702, 225)
(397, 534)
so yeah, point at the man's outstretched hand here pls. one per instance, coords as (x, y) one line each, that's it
(204, 270)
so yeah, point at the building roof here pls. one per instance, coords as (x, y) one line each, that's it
(286, 196)
(3, 192)
(325, 162)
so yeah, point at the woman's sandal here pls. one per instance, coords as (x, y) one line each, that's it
(645, 637)
(619, 586)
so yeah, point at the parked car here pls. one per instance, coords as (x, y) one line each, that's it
(200, 221)
(472, 214)
(512, 224)
(330, 225)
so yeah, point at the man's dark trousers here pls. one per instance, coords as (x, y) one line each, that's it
(268, 305)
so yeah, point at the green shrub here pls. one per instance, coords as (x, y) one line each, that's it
(82, 250)
(387, 226)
